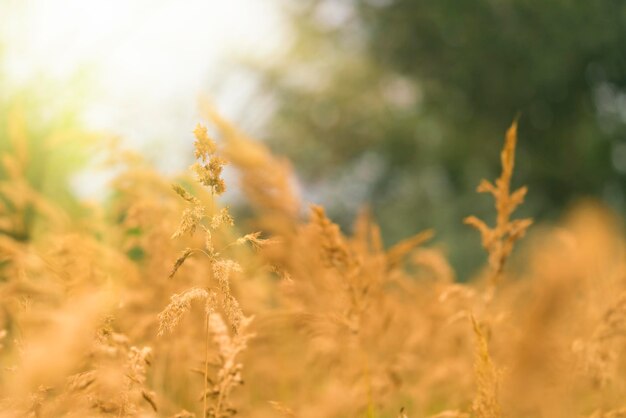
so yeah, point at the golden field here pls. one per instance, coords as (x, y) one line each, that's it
(157, 303)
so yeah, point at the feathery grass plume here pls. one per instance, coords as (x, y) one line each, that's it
(222, 270)
(208, 169)
(498, 241)
(255, 240)
(485, 404)
(209, 174)
(210, 165)
(221, 218)
(204, 146)
(229, 373)
(334, 251)
(192, 217)
(180, 304)
(266, 180)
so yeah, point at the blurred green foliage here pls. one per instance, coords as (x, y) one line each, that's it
(42, 145)
(403, 104)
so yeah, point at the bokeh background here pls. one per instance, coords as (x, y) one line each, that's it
(396, 105)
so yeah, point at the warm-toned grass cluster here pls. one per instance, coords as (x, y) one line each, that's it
(158, 304)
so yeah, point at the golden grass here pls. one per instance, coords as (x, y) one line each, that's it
(157, 305)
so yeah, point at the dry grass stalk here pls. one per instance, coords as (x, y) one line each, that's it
(208, 170)
(499, 240)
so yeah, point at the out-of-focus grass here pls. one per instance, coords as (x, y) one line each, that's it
(157, 303)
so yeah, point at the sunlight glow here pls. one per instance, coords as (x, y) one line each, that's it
(146, 62)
